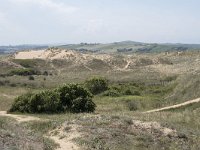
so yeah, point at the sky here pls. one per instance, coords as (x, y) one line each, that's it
(99, 21)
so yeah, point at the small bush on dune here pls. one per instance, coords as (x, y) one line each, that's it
(46, 101)
(97, 85)
(21, 103)
(71, 98)
(75, 98)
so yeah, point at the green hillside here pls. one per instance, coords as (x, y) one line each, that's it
(130, 47)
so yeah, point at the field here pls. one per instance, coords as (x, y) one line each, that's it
(138, 83)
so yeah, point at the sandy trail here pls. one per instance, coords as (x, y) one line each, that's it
(65, 141)
(175, 106)
(65, 138)
(19, 118)
(127, 65)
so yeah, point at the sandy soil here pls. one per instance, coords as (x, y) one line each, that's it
(19, 118)
(65, 138)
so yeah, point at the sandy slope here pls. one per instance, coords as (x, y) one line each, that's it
(175, 106)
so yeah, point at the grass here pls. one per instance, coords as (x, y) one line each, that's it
(15, 136)
(111, 126)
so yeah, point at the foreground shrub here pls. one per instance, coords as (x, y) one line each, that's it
(97, 85)
(43, 102)
(70, 98)
(75, 98)
(21, 103)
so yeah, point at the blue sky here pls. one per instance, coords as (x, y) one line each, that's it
(75, 21)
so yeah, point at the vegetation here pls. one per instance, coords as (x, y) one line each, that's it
(75, 98)
(96, 85)
(119, 107)
(71, 98)
(24, 72)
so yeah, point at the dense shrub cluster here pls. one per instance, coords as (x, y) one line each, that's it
(24, 72)
(75, 98)
(119, 90)
(97, 85)
(68, 98)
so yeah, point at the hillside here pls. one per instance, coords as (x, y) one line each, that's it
(126, 47)
(137, 83)
(130, 47)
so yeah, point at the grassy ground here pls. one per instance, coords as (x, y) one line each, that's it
(111, 127)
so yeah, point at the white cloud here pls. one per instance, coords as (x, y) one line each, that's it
(49, 4)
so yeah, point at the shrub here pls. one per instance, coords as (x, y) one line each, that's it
(45, 73)
(31, 78)
(75, 98)
(112, 93)
(46, 101)
(128, 92)
(21, 103)
(133, 105)
(71, 98)
(24, 72)
(97, 85)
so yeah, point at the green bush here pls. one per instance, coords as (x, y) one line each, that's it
(112, 93)
(133, 105)
(75, 98)
(24, 72)
(31, 78)
(46, 101)
(71, 98)
(97, 85)
(21, 103)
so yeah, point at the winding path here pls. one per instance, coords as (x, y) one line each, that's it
(174, 106)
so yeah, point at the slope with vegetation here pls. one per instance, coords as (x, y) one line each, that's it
(123, 87)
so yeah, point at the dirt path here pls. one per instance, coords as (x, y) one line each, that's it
(19, 118)
(62, 138)
(175, 106)
(127, 65)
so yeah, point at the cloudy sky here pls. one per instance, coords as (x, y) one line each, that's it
(75, 21)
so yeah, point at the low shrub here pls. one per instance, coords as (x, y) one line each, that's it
(75, 98)
(133, 105)
(31, 78)
(71, 98)
(96, 85)
(46, 101)
(24, 72)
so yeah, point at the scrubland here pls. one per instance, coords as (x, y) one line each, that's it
(136, 83)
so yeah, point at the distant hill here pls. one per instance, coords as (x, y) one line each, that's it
(130, 47)
(12, 49)
(116, 47)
